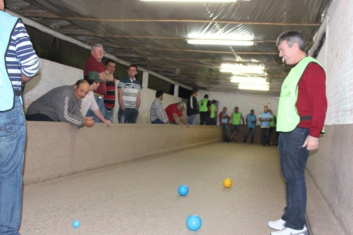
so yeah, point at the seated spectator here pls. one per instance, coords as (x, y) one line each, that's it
(157, 112)
(61, 104)
(89, 102)
(175, 113)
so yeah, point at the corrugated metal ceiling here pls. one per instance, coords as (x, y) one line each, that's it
(153, 34)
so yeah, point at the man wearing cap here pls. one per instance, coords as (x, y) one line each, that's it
(175, 113)
(61, 104)
(89, 102)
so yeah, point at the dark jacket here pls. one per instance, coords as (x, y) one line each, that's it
(192, 107)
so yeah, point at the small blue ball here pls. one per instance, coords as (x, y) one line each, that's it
(76, 224)
(183, 190)
(193, 222)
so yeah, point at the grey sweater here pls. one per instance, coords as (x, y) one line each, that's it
(59, 104)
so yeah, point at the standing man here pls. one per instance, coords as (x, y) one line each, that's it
(265, 118)
(213, 113)
(192, 109)
(251, 126)
(94, 63)
(300, 119)
(129, 96)
(205, 109)
(157, 112)
(223, 121)
(109, 97)
(18, 64)
(236, 118)
(272, 127)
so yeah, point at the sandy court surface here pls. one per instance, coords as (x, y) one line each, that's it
(141, 197)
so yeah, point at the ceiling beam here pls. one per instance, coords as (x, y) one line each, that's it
(189, 21)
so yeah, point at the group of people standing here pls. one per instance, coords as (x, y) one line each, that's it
(266, 118)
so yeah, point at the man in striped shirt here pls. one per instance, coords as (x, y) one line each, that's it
(18, 64)
(157, 112)
(129, 97)
(109, 97)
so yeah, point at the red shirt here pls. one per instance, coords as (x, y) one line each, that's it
(312, 99)
(92, 64)
(172, 108)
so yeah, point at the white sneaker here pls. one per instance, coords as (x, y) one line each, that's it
(278, 224)
(289, 231)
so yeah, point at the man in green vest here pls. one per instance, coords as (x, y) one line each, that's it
(300, 119)
(236, 118)
(213, 113)
(205, 109)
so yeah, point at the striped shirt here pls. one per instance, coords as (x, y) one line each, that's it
(157, 111)
(109, 97)
(130, 91)
(20, 57)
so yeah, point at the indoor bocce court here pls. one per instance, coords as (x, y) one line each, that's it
(123, 179)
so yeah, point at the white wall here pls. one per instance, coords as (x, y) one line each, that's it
(245, 102)
(53, 74)
(332, 165)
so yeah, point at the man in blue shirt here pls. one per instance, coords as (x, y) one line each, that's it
(18, 64)
(265, 119)
(251, 126)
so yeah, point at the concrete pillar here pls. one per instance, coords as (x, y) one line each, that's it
(145, 76)
(176, 90)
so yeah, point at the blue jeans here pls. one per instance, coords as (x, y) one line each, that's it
(157, 121)
(127, 115)
(12, 144)
(264, 135)
(192, 119)
(248, 130)
(293, 158)
(101, 107)
(225, 131)
(109, 114)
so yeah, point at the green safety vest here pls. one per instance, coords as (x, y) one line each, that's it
(236, 118)
(272, 123)
(287, 116)
(203, 105)
(213, 108)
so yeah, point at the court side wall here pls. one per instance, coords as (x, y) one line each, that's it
(57, 149)
(331, 166)
(53, 75)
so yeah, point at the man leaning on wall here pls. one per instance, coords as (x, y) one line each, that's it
(18, 64)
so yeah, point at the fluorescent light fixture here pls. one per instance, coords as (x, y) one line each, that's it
(220, 39)
(188, 0)
(257, 87)
(249, 80)
(220, 42)
(242, 69)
